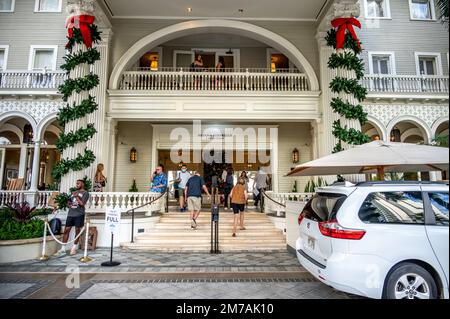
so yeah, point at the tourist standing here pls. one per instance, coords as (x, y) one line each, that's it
(193, 193)
(159, 183)
(182, 180)
(239, 198)
(259, 185)
(228, 186)
(99, 179)
(75, 216)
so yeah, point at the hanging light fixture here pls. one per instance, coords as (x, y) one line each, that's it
(295, 156)
(28, 134)
(395, 135)
(133, 155)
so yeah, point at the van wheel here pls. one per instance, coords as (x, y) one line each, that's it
(410, 281)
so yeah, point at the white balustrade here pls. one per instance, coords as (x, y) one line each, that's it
(381, 83)
(213, 81)
(282, 198)
(31, 79)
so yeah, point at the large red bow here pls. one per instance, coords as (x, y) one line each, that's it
(83, 22)
(345, 24)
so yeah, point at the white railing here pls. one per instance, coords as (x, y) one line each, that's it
(282, 198)
(213, 81)
(31, 79)
(124, 201)
(97, 201)
(406, 83)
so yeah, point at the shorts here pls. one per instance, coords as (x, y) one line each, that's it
(238, 208)
(77, 221)
(194, 203)
(181, 191)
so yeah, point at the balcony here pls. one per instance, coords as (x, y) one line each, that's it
(241, 80)
(17, 81)
(406, 84)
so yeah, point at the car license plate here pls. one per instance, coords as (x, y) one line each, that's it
(311, 242)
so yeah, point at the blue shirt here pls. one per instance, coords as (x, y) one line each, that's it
(159, 180)
(194, 185)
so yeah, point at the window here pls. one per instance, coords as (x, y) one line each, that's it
(3, 56)
(43, 57)
(439, 205)
(382, 63)
(323, 207)
(377, 9)
(393, 208)
(7, 5)
(428, 63)
(48, 6)
(422, 9)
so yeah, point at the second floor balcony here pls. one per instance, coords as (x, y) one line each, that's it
(179, 80)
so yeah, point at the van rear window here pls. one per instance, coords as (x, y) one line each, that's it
(323, 207)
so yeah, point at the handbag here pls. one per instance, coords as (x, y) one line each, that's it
(55, 225)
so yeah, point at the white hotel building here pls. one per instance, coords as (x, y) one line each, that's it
(276, 77)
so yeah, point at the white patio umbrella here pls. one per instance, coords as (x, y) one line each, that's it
(378, 157)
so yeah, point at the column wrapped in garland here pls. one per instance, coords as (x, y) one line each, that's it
(348, 91)
(76, 157)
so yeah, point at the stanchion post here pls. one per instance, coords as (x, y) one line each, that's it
(44, 257)
(132, 226)
(86, 258)
(111, 263)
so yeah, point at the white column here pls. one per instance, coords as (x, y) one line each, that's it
(96, 144)
(36, 166)
(274, 140)
(23, 160)
(110, 151)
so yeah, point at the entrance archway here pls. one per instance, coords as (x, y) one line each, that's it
(223, 26)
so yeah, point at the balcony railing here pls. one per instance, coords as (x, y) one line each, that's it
(406, 84)
(213, 80)
(49, 80)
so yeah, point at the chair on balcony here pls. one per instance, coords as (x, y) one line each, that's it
(15, 184)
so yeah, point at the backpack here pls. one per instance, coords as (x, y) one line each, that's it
(229, 180)
(55, 225)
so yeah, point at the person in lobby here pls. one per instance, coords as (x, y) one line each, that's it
(228, 186)
(182, 180)
(259, 184)
(193, 193)
(239, 198)
(75, 216)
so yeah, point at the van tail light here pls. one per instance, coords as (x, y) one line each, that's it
(334, 230)
(300, 218)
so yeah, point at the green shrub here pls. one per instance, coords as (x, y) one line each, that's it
(42, 212)
(13, 229)
(6, 213)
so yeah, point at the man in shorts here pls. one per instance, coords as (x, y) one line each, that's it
(193, 193)
(75, 217)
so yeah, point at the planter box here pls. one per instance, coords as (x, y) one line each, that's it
(26, 249)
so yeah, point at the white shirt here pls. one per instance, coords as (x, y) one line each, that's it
(224, 175)
(260, 180)
(183, 177)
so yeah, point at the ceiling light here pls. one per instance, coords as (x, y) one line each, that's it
(189, 9)
(241, 10)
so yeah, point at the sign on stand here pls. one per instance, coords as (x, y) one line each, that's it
(112, 225)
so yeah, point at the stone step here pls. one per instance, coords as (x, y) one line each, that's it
(206, 233)
(203, 248)
(194, 241)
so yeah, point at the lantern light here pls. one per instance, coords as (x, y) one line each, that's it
(295, 156)
(133, 155)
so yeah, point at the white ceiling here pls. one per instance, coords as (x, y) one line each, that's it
(253, 9)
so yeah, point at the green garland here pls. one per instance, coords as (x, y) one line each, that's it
(77, 37)
(86, 83)
(74, 112)
(72, 138)
(77, 111)
(72, 60)
(349, 111)
(76, 164)
(348, 60)
(349, 86)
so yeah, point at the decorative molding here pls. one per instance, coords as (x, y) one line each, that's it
(427, 113)
(38, 110)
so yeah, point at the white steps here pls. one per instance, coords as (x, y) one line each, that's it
(174, 233)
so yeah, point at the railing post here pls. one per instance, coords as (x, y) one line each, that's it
(132, 226)
(246, 79)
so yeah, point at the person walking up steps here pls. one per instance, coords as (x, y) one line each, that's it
(193, 193)
(182, 179)
(238, 200)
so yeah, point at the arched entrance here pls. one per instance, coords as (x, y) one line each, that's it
(222, 26)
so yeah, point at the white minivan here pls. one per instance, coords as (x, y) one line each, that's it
(378, 239)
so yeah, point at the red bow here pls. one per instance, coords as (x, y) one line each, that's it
(345, 24)
(84, 21)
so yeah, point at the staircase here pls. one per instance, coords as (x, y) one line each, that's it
(174, 234)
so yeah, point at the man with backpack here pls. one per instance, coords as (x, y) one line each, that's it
(228, 186)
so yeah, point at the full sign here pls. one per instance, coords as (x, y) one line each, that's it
(112, 220)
